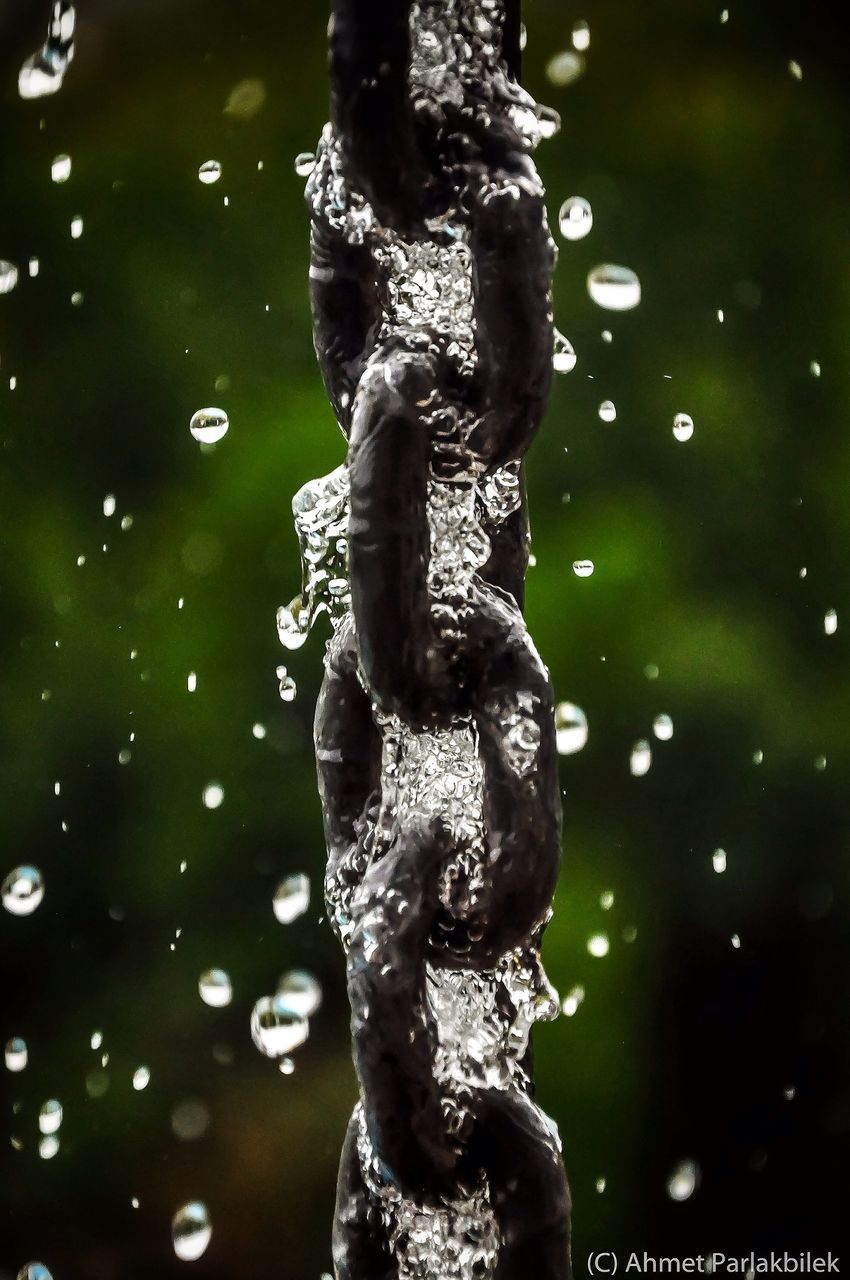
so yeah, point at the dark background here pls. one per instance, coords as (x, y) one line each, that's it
(721, 179)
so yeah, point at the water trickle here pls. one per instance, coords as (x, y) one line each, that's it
(209, 172)
(575, 218)
(614, 288)
(215, 988)
(22, 891)
(662, 727)
(640, 759)
(570, 728)
(583, 568)
(191, 1231)
(213, 795)
(276, 1028)
(683, 1181)
(8, 276)
(208, 426)
(563, 356)
(141, 1078)
(60, 168)
(292, 898)
(16, 1054)
(301, 992)
(608, 411)
(683, 427)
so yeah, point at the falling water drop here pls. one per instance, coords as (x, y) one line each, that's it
(48, 1146)
(215, 988)
(598, 945)
(300, 992)
(209, 172)
(293, 624)
(570, 728)
(683, 427)
(16, 1055)
(213, 795)
(662, 727)
(287, 687)
(141, 1078)
(564, 68)
(76, 227)
(640, 759)
(563, 355)
(60, 168)
(191, 1231)
(275, 1029)
(22, 891)
(575, 218)
(683, 1181)
(607, 411)
(614, 288)
(305, 163)
(50, 1116)
(8, 276)
(815, 369)
(292, 898)
(572, 1000)
(583, 568)
(718, 861)
(830, 622)
(208, 426)
(581, 36)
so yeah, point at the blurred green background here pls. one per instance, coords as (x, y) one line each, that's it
(722, 178)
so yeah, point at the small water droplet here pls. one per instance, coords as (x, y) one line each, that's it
(572, 1000)
(275, 1029)
(22, 891)
(607, 411)
(718, 861)
(614, 288)
(736, 941)
(192, 681)
(33, 266)
(606, 899)
(259, 731)
(209, 172)
(305, 163)
(598, 945)
(830, 622)
(640, 759)
(564, 68)
(17, 1054)
(301, 992)
(48, 1146)
(683, 427)
(292, 898)
(208, 426)
(583, 568)
(575, 218)
(141, 1078)
(683, 1181)
(570, 728)
(191, 1231)
(60, 168)
(76, 227)
(815, 369)
(190, 1120)
(35, 1271)
(8, 276)
(50, 1116)
(213, 795)
(215, 988)
(287, 687)
(600, 1185)
(293, 624)
(795, 69)
(581, 36)
(563, 354)
(662, 727)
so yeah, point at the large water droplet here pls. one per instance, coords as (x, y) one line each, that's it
(60, 168)
(683, 427)
(583, 568)
(614, 288)
(50, 1116)
(683, 1181)
(191, 1231)
(23, 890)
(607, 411)
(563, 355)
(292, 898)
(275, 1029)
(213, 795)
(300, 992)
(581, 36)
(141, 1078)
(570, 728)
(662, 727)
(640, 759)
(16, 1055)
(215, 988)
(575, 218)
(8, 276)
(208, 426)
(293, 624)
(209, 172)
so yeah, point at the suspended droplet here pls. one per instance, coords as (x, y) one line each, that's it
(287, 687)
(17, 1054)
(76, 227)
(208, 426)
(572, 1000)
(258, 731)
(815, 369)
(213, 795)
(292, 898)
(50, 1116)
(598, 945)
(35, 1271)
(563, 354)
(736, 941)
(570, 728)
(141, 1078)
(614, 288)
(305, 163)
(683, 427)
(640, 759)
(190, 1120)
(575, 218)
(293, 624)
(564, 68)
(191, 1231)
(60, 168)
(8, 276)
(215, 988)
(795, 69)
(23, 890)
(33, 266)
(209, 172)
(683, 1181)
(662, 727)
(583, 568)
(48, 1146)
(607, 411)
(830, 622)
(718, 861)
(581, 36)
(275, 1029)
(301, 992)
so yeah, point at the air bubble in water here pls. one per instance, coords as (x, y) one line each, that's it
(8, 276)
(662, 727)
(208, 426)
(22, 891)
(275, 1029)
(34, 1271)
(640, 759)
(213, 795)
(607, 411)
(583, 568)
(575, 218)
(60, 168)
(191, 1231)
(683, 1181)
(215, 988)
(683, 427)
(570, 728)
(301, 992)
(614, 288)
(830, 622)
(16, 1055)
(305, 163)
(581, 36)
(292, 898)
(141, 1078)
(209, 172)
(50, 1116)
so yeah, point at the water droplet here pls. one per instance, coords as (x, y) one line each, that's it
(213, 795)
(60, 168)
(736, 941)
(683, 1181)
(245, 99)
(683, 427)
(572, 1000)
(830, 622)
(305, 163)
(724, 16)
(32, 267)
(293, 624)
(606, 899)
(300, 992)
(259, 731)
(614, 288)
(48, 1146)
(583, 568)
(191, 1231)
(795, 69)
(287, 687)
(192, 681)
(275, 1029)
(190, 1120)
(570, 728)
(718, 861)
(789, 1093)
(581, 36)
(598, 945)
(600, 1185)
(50, 1116)
(76, 227)
(17, 1054)
(22, 891)
(208, 426)
(215, 988)
(607, 411)
(209, 172)
(109, 505)
(662, 727)
(35, 1271)
(8, 276)
(564, 68)
(563, 355)
(575, 218)
(292, 898)
(640, 759)
(815, 369)
(141, 1078)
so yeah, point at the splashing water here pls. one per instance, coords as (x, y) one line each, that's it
(300, 992)
(43, 73)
